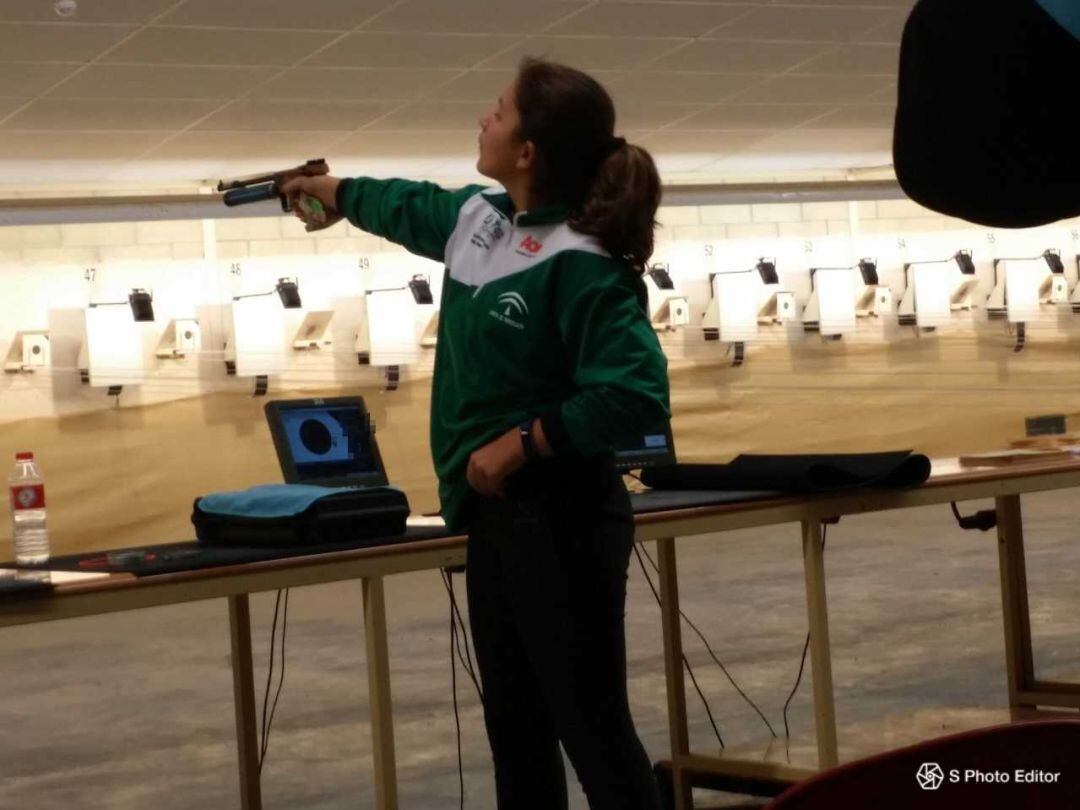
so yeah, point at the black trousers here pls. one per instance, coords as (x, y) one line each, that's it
(546, 574)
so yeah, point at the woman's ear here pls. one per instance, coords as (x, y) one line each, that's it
(526, 156)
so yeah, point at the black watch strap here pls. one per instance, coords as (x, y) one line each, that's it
(527, 444)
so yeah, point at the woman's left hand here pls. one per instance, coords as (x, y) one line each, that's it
(492, 464)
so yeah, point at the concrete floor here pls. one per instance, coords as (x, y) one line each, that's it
(135, 710)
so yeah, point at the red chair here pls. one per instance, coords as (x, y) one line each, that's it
(1021, 766)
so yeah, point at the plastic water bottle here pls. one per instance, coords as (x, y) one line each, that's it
(28, 510)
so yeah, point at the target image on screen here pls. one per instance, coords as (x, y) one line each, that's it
(329, 442)
(325, 441)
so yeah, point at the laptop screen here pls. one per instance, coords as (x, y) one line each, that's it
(653, 447)
(325, 441)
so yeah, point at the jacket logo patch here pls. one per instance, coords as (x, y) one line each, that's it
(513, 307)
(529, 246)
(491, 230)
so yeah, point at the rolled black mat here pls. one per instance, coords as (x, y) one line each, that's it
(795, 473)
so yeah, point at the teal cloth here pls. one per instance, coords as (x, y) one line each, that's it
(267, 500)
(1065, 12)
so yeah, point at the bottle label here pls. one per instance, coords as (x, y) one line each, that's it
(28, 497)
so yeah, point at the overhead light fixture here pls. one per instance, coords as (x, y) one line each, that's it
(421, 289)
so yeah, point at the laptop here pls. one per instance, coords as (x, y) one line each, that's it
(327, 442)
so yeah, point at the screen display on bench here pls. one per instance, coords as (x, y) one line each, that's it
(329, 442)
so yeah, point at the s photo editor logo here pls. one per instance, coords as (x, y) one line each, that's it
(930, 776)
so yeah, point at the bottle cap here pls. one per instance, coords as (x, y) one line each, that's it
(24, 456)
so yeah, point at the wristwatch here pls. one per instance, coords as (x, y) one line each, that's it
(525, 429)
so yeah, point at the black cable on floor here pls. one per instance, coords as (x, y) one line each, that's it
(281, 676)
(714, 657)
(464, 633)
(268, 720)
(466, 659)
(686, 662)
(802, 663)
(457, 716)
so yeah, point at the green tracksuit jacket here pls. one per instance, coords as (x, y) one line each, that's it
(536, 320)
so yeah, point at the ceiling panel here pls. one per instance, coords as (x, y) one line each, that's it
(282, 116)
(715, 56)
(681, 87)
(442, 115)
(756, 116)
(887, 95)
(9, 105)
(74, 145)
(648, 20)
(222, 85)
(204, 46)
(27, 80)
(109, 114)
(889, 32)
(28, 42)
(481, 86)
(273, 147)
(405, 144)
(788, 89)
(678, 164)
(857, 116)
(327, 15)
(895, 4)
(352, 84)
(703, 142)
(135, 12)
(824, 24)
(587, 53)
(159, 81)
(473, 17)
(869, 60)
(484, 86)
(642, 115)
(410, 51)
(808, 142)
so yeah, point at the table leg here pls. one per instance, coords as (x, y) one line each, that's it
(1019, 664)
(673, 669)
(1024, 688)
(247, 741)
(382, 721)
(820, 660)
